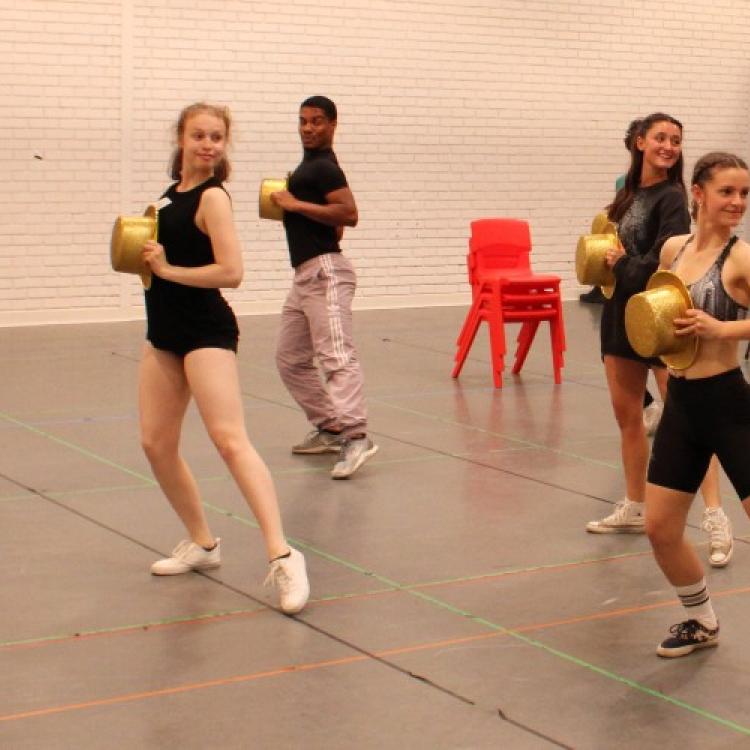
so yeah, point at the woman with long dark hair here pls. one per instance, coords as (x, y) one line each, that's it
(650, 208)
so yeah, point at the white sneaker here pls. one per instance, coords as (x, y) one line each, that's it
(354, 452)
(652, 416)
(188, 556)
(627, 518)
(289, 575)
(721, 542)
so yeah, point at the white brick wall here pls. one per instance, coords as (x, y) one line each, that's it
(449, 110)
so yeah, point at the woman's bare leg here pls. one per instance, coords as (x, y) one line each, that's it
(163, 397)
(627, 383)
(214, 382)
(666, 518)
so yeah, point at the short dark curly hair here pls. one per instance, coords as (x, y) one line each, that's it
(324, 103)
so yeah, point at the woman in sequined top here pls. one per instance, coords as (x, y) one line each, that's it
(650, 208)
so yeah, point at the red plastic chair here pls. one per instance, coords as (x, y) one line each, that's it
(505, 289)
(498, 248)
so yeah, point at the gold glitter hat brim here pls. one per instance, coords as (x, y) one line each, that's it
(267, 209)
(591, 266)
(128, 237)
(600, 221)
(688, 351)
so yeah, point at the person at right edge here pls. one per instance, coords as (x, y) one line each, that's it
(651, 208)
(707, 409)
(316, 320)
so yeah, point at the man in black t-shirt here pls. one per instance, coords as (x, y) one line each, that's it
(316, 320)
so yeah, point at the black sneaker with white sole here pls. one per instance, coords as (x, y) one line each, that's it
(687, 637)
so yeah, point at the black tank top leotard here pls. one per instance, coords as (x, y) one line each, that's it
(183, 318)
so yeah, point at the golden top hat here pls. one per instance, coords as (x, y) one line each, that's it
(129, 234)
(591, 265)
(649, 321)
(600, 222)
(266, 207)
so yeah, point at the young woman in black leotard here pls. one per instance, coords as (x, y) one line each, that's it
(707, 410)
(191, 353)
(651, 207)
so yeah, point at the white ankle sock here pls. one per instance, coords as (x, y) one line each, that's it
(697, 603)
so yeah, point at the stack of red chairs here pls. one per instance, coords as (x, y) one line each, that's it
(505, 290)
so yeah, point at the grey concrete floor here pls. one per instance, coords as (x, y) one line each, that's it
(457, 601)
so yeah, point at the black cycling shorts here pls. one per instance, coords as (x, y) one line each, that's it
(702, 417)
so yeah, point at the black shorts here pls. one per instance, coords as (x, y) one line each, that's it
(183, 347)
(702, 417)
(614, 337)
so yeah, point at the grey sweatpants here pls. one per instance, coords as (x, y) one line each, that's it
(316, 324)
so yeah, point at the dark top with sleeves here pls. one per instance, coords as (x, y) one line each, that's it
(657, 213)
(317, 175)
(181, 317)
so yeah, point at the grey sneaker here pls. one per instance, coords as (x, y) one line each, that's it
(319, 441)
(719, 528)
(289, 575)
(188, 556)
(354, 452)
(627, 518)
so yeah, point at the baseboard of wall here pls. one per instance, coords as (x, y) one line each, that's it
(269, 307)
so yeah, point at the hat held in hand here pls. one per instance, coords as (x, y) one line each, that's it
(591, 261)
(129, 235)
(649, 321)
(266, 207)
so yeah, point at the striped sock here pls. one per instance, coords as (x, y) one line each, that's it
(697, 603)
